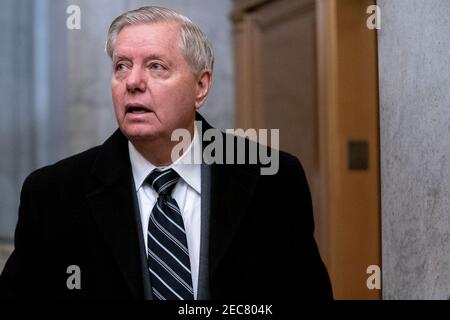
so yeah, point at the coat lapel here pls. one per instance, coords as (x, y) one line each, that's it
(112, 205)
(231, 192)
(231, 189)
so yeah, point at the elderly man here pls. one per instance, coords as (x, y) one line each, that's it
(127, 219)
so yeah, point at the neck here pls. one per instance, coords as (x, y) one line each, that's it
(159, 151)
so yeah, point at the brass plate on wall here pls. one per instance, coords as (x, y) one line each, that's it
(358, 155)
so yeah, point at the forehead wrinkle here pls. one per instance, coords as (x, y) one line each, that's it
(127, 43)
(140, 41)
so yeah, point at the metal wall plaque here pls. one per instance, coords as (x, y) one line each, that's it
(358, 155)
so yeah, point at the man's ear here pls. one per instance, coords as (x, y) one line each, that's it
(204, 80)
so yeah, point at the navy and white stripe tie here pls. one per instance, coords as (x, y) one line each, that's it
(167, 254)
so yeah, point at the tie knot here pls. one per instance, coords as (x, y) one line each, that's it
(163, 181)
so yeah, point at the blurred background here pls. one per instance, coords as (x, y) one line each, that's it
(312, 68)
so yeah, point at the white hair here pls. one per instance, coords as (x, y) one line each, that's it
(193, 42)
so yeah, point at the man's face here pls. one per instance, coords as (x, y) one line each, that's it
(153, 88)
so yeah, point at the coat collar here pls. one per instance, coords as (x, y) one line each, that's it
(112, 205)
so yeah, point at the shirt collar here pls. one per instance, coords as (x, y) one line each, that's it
(189, 171)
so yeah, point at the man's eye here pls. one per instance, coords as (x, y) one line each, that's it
(120, 66)
(156, 66)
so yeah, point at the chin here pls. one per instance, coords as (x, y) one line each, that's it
(139, 134)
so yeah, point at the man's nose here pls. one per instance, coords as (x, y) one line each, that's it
(137, 80)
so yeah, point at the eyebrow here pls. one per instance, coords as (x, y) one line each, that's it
(117, 57)
(152, 56)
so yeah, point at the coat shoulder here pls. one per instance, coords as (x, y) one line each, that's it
(72, 168)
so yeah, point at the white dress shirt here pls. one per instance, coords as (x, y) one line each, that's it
(187, 194)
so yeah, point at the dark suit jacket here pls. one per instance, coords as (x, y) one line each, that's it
(257, 233)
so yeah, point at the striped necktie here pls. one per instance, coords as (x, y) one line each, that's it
(167, 254)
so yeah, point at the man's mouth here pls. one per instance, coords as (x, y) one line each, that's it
(137, 109)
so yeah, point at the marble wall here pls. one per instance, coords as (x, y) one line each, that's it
(414, 72)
